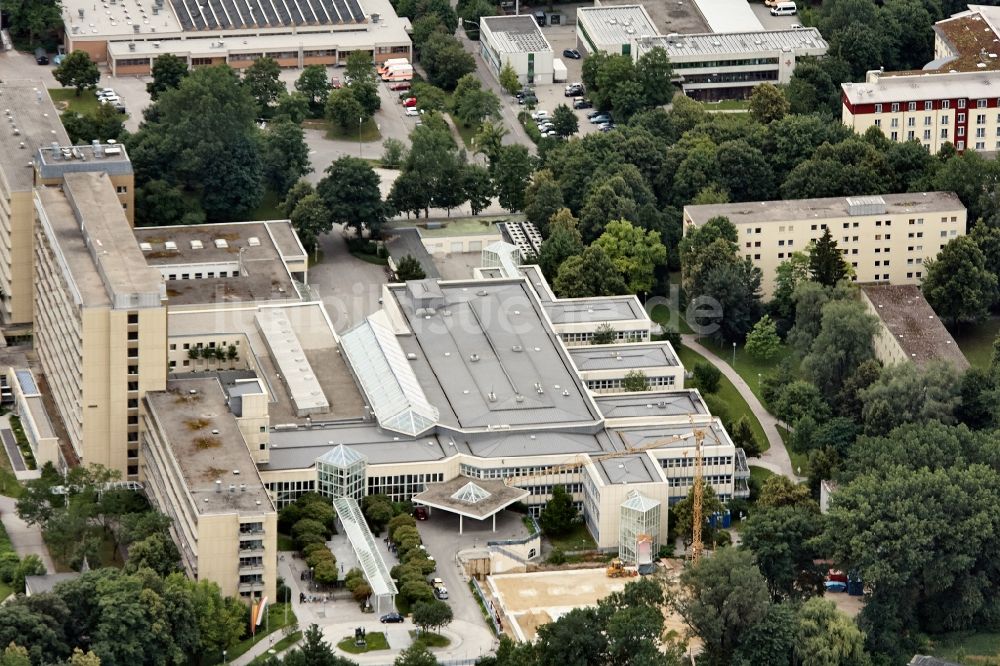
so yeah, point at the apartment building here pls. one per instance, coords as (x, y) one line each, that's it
(197, 469)
(100, 321)
(883, 238)
(30, 122)
(54, 161)
(909, 329)
(961, 108)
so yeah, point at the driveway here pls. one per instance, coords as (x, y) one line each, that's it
(349, 287)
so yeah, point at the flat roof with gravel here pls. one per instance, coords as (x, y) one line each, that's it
(516, 34)
(31, 121)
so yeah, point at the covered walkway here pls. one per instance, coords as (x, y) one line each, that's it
(375, 569)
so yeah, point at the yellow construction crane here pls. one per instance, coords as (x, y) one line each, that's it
(698, 496)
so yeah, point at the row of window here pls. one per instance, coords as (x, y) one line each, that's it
(401, 487)
(199, 345)
(199, 276)
(929, 120)
(708, 461)
(714, 480)
(506, 472)
(613, 384)
(286, 492)
(717, 64)
(929, 105)
(587, 336)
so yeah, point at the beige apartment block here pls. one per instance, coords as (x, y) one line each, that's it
(197, 469)
(54, 161)
(883, 238)
(909, 329)
(100, 321)
(30, 121)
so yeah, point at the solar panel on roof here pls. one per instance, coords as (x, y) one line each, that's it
(342, 11)
(356, 10)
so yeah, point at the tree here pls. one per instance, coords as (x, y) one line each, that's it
(509, 80)
(284, 155)
(232, 192)
(262, 80)
(779, 491)
(784, 540)
(325, 572)
(416, 655)
(78, 71)
(409, 269)
(722, 598)
(542, 199)
(958, 284)
(635, 380)
(477, 187)
(588, 274)
(31, 20)
(565, 121)
(510, 176)
(798, 399)
(707, 377)
(445, 60)
(762, 341)
(432, 614)
(557, 248)
(768, 103)
(604, 334)
(636, 253)
(559, 515)
(471, 103)
(844, 342)
(825, 636)
(296, 193)
(489, 140)
(313, 651)
(343, 108)
(393, 152)
(313, 83)
(168, 71)
(156, 552)
(575, 640)
(904, 393)
(789, 274)
(293, 107)
(741, 432)
(351, 193)
(654, 75)
(826, 265)
(311, 219)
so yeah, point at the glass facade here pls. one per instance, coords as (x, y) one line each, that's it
(639, 529)
(340, 472)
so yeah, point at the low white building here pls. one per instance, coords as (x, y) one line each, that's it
(715, 66)
(518, 41)
(614, 29)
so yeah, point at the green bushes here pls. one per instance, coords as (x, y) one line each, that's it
(411, 575)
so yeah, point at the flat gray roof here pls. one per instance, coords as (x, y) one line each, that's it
(914, 87)
(207, 445)
(913, 324)
(613, 25)
(55, 160)
(247, 248)
(806, 41)
(611, 357)
(661, 404)
(597, 309)
(628, 469)
(95, 240)
(516, 34)
(27, 106)
(403, 242)
(299, 448)
(485, 358)
(673, 436)
(794, 210)
(729, 15)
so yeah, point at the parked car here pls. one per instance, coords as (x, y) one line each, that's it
(420, 513)
(572, 54)
(411, 111)
(410, 101)
(582, 103)
(540, 114)
(391, 618)
(400, 85)
(835, 586)
(600, 119)
(606, 127)
(41, 57)
(58, 59)
(573, 90)
(545, 127)
(527, 99)
(335, 83)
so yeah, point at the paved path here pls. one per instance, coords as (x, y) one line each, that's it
(776, 457)
(14, 453)
(27, 539)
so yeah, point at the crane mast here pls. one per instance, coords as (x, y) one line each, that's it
(698, 496)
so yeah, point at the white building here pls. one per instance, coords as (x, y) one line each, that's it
(715, 66)
(613, 29)
(517, 41)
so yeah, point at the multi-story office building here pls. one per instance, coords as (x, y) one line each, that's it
(715, 66)
(883, 238)
(100, 321)
(614, 29)
(197, 469)
(54, 161)
(961, 108)
(129, 34)
(516, 41)
(30, 121)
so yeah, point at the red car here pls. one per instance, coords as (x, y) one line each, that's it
(410, 101)
(401, 85)
(420, 513)
(335, 83)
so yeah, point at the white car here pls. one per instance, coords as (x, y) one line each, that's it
(541, 114)
(412, 111)
(111, 99)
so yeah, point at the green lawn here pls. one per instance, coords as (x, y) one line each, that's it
(976, 342)
(275, 621)
(282, 645)
(430, 639)
(286, 542)
(749, 368)
(967, 648)
(578, 539)
(727, 105)
(375, 641)
(368, 132)
(799, 460)
(269, 208)
(760, 474)
(9, 484)
(726, 403)
(661, 315)
(66, 99)
(5, 546)
(467, 133)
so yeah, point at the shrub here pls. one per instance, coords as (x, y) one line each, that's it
(557, 556)
(707, 377)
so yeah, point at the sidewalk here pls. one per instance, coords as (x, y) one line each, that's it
(26, 539)
(776, 458)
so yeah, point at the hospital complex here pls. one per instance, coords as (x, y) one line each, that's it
(197, 361)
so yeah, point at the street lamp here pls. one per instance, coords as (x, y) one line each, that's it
(758, 381)
(734, 354)
(360, 120)
(224, 662)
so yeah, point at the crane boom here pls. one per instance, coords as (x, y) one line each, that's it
(698, 496)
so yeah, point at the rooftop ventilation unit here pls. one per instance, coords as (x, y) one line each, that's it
(146, 247)
(221, 243)
(196, 245)
(170, 245)
(253, 241)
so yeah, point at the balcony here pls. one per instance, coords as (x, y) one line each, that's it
(742, 469)
(251, 549)
(741, 489)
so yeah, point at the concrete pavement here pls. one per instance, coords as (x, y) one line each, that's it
(776, 458)
(26, 539)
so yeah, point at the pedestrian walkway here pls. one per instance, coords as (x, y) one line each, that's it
(26, 539)
(776, 458)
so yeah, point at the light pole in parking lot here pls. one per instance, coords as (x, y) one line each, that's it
(360, 120)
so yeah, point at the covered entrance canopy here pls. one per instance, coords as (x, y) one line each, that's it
(470, 498)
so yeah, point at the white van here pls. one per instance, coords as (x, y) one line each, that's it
(784, 9)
